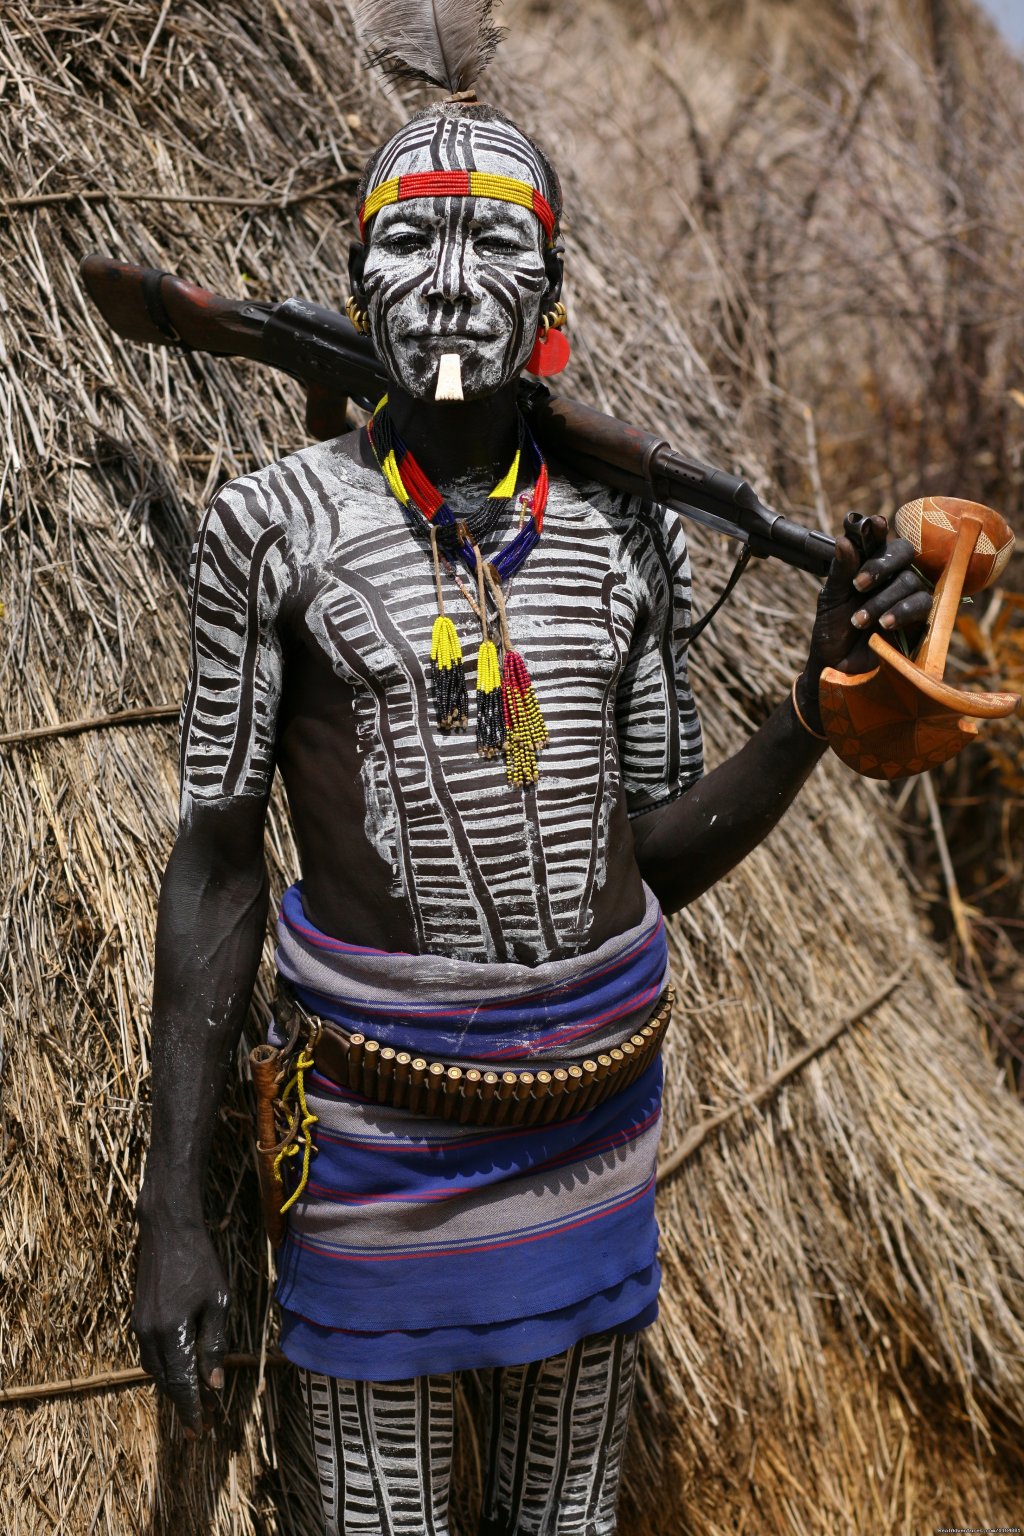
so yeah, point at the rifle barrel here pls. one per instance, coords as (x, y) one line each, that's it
(323, 350)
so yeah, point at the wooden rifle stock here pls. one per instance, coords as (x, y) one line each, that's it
(323, 351)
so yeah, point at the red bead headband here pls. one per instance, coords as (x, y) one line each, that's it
(503, 189)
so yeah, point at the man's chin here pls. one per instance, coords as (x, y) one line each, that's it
(475, 385)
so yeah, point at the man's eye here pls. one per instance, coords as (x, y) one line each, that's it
(494, 245)
(409, 241)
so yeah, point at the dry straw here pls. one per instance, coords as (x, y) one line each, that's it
(841, 1346)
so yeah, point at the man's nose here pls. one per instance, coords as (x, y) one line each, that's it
(449, 279)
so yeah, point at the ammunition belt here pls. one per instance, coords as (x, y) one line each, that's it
(474, 1096)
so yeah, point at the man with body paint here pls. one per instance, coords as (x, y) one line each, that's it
(421, 1247)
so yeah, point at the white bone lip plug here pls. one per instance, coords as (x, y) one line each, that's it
(449, 377)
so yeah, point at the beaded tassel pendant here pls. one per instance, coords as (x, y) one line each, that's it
(525, 730)
(447, 670)
(490, 715)
(448, 675)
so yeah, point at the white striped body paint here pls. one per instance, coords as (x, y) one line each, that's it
(456, 275)
(383, 1453)
(313, 558)
(553, 1443)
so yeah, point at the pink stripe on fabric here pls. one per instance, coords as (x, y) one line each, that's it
(532, 1235)
(585, 978)
(324, 941)
(571, 1032)
(576, 1154)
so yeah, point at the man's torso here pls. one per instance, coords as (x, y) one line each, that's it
(408, 839)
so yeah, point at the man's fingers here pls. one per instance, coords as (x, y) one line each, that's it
(181, 1377)
(150, 1358)
(897, 556)
(843, 568)
(907, 584)
(908, 613)
(211, 1342)
(866, 533)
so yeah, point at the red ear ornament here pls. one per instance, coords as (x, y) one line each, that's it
(550, 354)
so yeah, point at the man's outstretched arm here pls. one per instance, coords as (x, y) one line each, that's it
(684, 847)
(210, 928)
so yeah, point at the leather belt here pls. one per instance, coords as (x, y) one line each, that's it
(475, 1096)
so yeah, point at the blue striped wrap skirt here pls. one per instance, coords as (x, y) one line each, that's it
(423, 1246)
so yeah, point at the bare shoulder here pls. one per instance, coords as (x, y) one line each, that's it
(643, 528)
(305, 503)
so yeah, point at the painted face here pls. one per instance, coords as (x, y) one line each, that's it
(463, 275)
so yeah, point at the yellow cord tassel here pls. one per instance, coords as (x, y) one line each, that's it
(307, 1119)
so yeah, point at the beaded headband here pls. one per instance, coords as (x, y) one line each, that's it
(418, 184)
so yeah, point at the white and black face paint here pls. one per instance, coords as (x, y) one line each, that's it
(456, 275)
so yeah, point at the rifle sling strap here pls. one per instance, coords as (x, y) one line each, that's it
(153, 299)
(693, 630)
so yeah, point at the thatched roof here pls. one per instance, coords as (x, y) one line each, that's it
(842, 1339)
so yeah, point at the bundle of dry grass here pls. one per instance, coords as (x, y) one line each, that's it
(842, 1345)
(844, 232)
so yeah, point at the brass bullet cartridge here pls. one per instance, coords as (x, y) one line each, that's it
(385, 1074)
(556, 1095)
(506, 1088)
(371, 1055)
(451, 1093)
(354, 1061)
(588, 1085)
(402, 1063)
(470, 1093)
(521, 1098)
(638, 1061)
(488, 1092)
(417, 1084)
(599, 1083)
(435, 1087)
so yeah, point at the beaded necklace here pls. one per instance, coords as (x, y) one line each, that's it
(507, 712)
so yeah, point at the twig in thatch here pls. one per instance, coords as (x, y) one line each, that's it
(689, 1144)
(199, 199)
(109, 1381)
(145, 712)
(956, 903)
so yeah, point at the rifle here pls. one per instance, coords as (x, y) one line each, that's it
(334, 363)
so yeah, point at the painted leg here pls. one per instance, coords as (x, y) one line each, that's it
(383, 1453)
(556, 1437)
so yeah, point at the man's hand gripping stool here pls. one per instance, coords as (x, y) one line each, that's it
(901, 717)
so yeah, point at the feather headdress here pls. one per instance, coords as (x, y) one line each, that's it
(435, 42)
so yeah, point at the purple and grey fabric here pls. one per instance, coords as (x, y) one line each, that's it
(421, 1246)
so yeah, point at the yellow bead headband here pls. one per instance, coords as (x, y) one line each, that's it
(503, 189)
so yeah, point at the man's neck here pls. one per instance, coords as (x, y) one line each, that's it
(458, 440)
